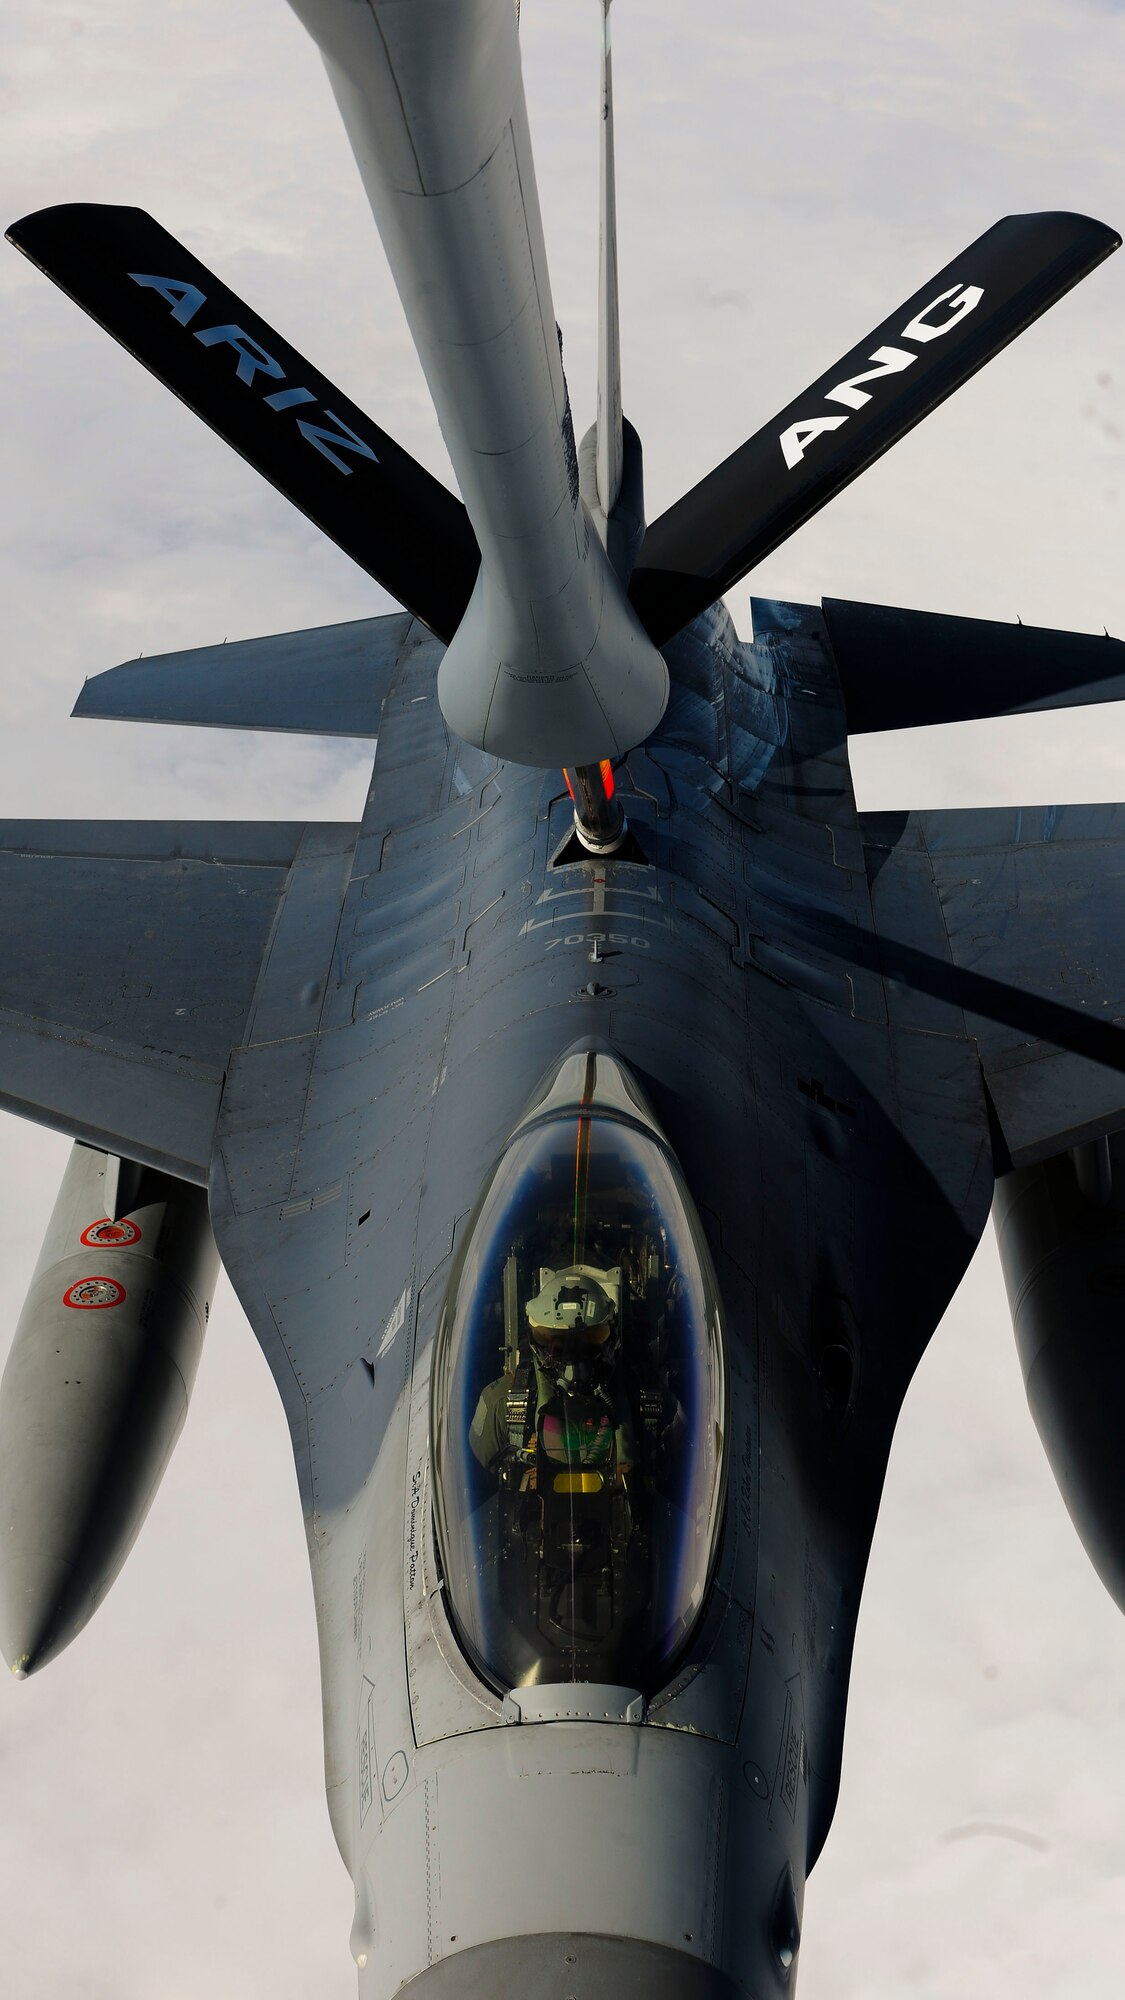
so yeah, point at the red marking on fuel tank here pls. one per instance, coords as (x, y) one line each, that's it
(94, 1294)
(107, 1234)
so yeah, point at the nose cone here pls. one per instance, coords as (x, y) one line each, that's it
(43, 1605)
(559, 1965)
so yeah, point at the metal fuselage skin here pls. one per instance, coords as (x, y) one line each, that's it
(417, 990)
(550, 665)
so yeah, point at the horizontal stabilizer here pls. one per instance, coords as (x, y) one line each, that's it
(788, 470)
(903, 669)
(328, 681)
(284, 417)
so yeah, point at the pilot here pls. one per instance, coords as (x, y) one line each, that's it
(571, 1381)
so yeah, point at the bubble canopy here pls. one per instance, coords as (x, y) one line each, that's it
(578, 1402)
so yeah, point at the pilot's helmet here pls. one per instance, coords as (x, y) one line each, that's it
(571, 1310)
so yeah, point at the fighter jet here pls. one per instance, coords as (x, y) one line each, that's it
(594, 1133)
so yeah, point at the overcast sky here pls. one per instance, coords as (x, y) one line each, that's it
(787, 175)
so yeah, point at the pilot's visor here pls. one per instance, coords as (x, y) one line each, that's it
(572, 1307)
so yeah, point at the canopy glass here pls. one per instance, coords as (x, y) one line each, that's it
(579, 1398)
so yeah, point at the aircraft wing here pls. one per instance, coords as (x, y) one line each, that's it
(328, 681)
(133, 950)
(1013, 920)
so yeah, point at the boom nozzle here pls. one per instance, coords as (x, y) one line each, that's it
(599, 817)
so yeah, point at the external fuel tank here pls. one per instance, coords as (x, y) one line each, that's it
(1061, 1231)
(95, 1391)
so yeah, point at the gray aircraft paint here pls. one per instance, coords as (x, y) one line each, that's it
(95, 1391)
(550, 665)
(424, 968)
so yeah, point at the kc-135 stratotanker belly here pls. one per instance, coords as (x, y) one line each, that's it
(596, 1132)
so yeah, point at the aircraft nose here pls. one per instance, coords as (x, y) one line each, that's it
(572, 1966)
(43, 1603)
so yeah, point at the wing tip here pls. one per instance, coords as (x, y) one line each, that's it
(22, 234)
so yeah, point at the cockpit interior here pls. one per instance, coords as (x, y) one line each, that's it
(579, 1398)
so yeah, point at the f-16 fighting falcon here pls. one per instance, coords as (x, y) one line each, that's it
(596, 1131)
